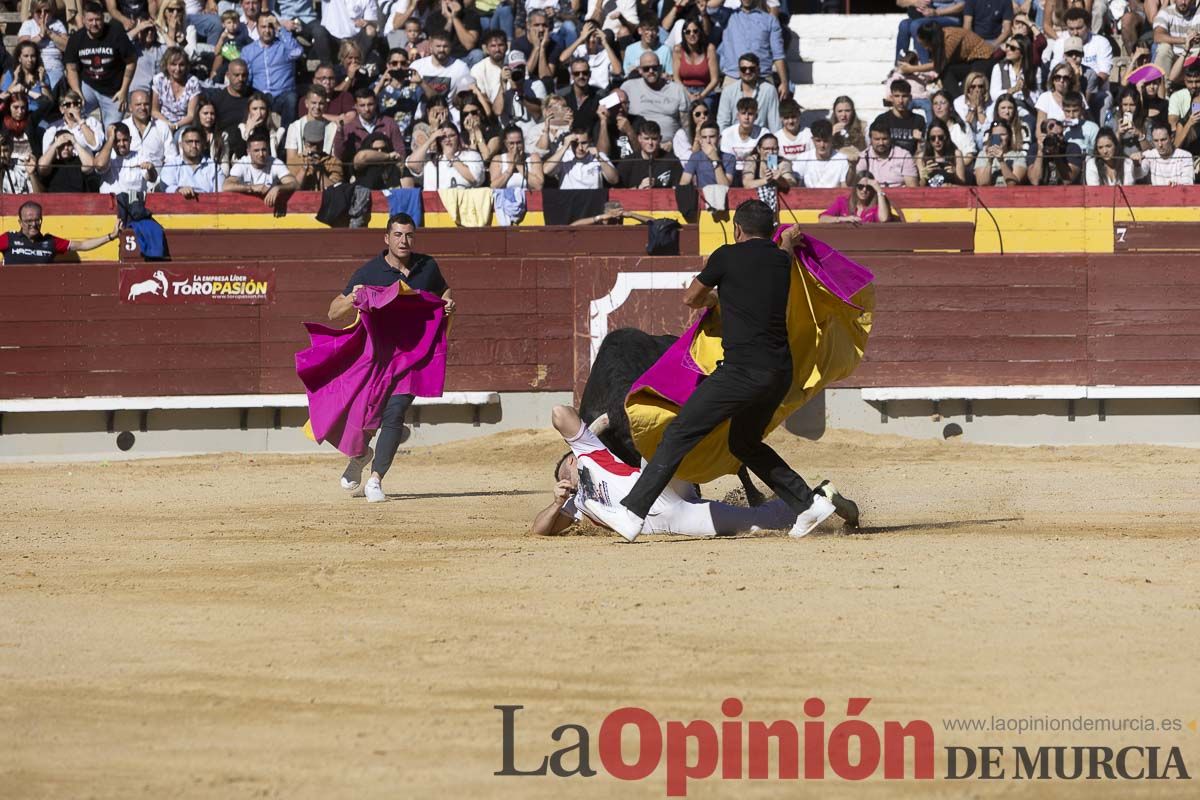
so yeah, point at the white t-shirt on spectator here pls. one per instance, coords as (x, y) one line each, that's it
(681, 145)
(51, 55)
(124, 175)
(791, 147)
(1048, 104)
(585, 174)
(156, 145)
(451, 75)
(1097, 53)
(337, 16)
(599, 64)
(80, 142)
(440, 174)
(817, 174)
(732, 142)
(295, 136)
(1176, 24)
(388, 12)
(613, 11)
(487, 77)
(251, 175)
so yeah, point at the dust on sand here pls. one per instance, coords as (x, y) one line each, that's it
(235, 626)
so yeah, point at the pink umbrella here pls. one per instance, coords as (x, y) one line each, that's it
(1144, 74)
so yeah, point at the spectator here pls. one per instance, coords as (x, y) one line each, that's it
(489, 72)
(708, 165)
(939, 12)
(651, 167)
(694, 62)
(315, 103)
(437, 114)
(443, 163)
(1109, 166)
(227, 48)
(508, 106)
(753, 86)
(1132, 126)
(64, 168)
(540, 51)
(31, 246)
(108, 61)
(752, 30)
(595, 48)
(377, 166)
(894, 166)
(767, 172)
(50, 36)
(1007, 110)
(149, 51)
(18, 126)
(1063, 80)
(562, 17)
(1095, 90)
(793, 139)
(1096, 51)
(1166, 165)
(1003, 163)
(479, 130)
(173, 30)
(418, 44)
(231, 100)
(206, 122)
(822, 167)
(150, 139)
(953, 52)
(1016, 74)
(940, 163)
(649, 41)
(398, 91)
(18, 175)
(271, 61)
(974, 107)
(341, 101)
(741, 137)
(513, 168)
(1023, 26)
(128, 13)
(556, 123)
(1181, 111)
(496, 15)
(351, 76)
(365, 122)
(318, 170)
(258, 121)
(848, 134)
(617, 128)
(460, 21)
(1175, 32)
(28, 78)
(906, 127)
(653, 98)
(87, 132)
(685, 140)
(122, 169)
(1052, 165)
(579, 165)
(582, 97)
(176, 93)
(195, 172)
(1078, 129)
(261, 174)
(867, 202)
(613, 214)
(441, 72)
(299, 18)
(344, 21)
(990, 20)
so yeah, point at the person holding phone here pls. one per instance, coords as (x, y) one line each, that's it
(767, 172)
(1183, 110)
(1002, 164)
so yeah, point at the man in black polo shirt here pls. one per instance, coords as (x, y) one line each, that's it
(31, 246)
(397, 263)
(747, 387)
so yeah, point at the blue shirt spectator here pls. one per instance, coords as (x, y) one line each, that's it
(700, 170)
(986, 18)
(751, 30)
(296, 9)
(271, 59)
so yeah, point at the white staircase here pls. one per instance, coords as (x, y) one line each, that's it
(834, 55)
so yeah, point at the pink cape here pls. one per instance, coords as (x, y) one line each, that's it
(398, 347)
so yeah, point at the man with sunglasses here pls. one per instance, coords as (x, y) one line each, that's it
(582, 98)
(653, 98)
(751, 85)
(752, 30)
(65, 168)
(88, 133)
(651, 39)
(1095, 51)
(30, 246)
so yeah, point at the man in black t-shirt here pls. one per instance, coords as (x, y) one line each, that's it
(232, 99)
(748, 386)
(650, 167)
(907, 128)
(100, 62)
(418, 271)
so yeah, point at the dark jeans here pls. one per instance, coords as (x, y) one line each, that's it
(746, 396)
(389, 432)
(284, 104)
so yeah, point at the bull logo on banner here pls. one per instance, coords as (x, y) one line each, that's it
(234, 284)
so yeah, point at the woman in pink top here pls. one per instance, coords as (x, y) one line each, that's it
(866, 203)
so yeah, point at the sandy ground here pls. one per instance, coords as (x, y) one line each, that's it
(233, 627)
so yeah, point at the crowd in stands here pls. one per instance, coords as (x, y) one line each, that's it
(267, 97)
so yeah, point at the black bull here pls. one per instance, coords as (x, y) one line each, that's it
(623, 356)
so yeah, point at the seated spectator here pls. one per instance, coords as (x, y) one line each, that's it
(1179, 110)
(173, 30)
(685, 140)
(442, 162)
(1049, 103)
(17, 175)
(1175, 27)
(299, 18)
(906, 127)
(694, 62)
(604, 65)
(27, 78)
(128, 13)
(822, 167)
(377, 166)
(752, 30)
(1093, 87)
(271, 61)
(617, 128)
(767, 172)
(508, 107)
(793, 139)
(343, 21)
(50, 36)
(939, 12)
(339, 102)
(195, 172)
(149, 53)
(651, 167)
(990, 20)
(227, 49)
(150, 139)
(232, 99)
(175, 92)
(582, 97)
(1109, 167)
(867, 202)
(557, 119)
(416, 42)
(121, 169)
(87, 132)
(31, 246)
(488, 73)
(65, 168)
(1054, 163)
(1095, 52)
(1166, 165)
(894, 166)
(651, 97)
(16, 124)
(1133, 127)
(538, 46)
(579, 165)
(437, 114)
(100, 62)
(751, 86)
(398, 91)
(848, 134)
(479, 131)
(1016, 74)
(974, 107)
(366, 121)
(953, 52)
(1078, 129)
(258, 121)
(513, 168)
(613, 214)
(349, 75)
(939, 162)
(960, 136)
(461, 22)
(708, 165)
(206, 122)
(261, 174)
(741, 137)
(441, 73)
(1002, 163)
(318, 170)
(315, 103)
(651, 39)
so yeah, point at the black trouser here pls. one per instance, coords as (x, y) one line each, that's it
(954, 74)
(389, 432)
(746, 396)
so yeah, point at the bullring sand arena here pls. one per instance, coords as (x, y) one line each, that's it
(234, 626)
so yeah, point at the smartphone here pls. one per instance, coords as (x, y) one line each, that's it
(1127, 118)
(1195, 107)
(772, 161)
(994, 140)
(610, 100)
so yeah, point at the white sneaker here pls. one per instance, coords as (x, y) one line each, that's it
(617, 517)
(374, 491)
(811, 517)
(352, 477)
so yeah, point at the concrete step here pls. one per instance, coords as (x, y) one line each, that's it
(834, 50)
(852, 27)
(868, 98)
